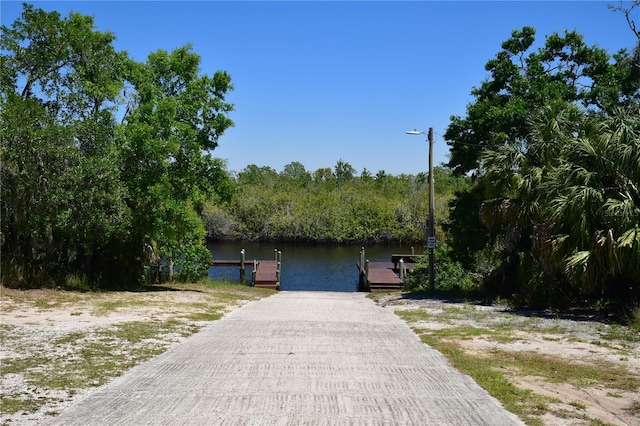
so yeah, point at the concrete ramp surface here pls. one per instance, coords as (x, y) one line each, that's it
(295, 358)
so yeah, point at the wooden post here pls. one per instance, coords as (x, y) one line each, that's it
(242, 259)
(253, 273)
(431, 232)
(366, 275)
(279, 270)
(412, 251)
(360, 270)
(402, 269)
(275, 254)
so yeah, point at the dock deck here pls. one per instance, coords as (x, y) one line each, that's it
(266, 273)
(381, 276)
(237, 263)
(385, 276)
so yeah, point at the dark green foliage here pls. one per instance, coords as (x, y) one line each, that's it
(83, 195)
(193, 262)
(566, 209)
(466, 233)
(521, 81)
(551, 140)
(62, 198)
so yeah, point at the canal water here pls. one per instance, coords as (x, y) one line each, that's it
(305, 266)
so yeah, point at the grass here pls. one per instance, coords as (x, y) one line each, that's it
(16, 404)
(524, 403)
(105, 307)
(90, 357)
(92, 362)
(618, 332)
(495, 369)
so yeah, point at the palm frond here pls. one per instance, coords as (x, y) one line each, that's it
(630, 238)
(580, 258)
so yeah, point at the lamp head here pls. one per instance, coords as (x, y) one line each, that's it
(414, 132)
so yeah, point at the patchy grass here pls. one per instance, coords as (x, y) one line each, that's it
(49, 371)
(619, 332)
(10, 404)
(497, 368)
(522, 402)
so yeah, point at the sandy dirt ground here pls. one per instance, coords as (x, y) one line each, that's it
(30, 324)
(578, 339)
(34, 322)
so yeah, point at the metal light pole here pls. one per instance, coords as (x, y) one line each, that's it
(431, 229)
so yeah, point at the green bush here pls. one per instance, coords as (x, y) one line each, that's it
(450, 276)
(194, 263)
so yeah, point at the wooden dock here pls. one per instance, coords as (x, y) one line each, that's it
(385, 276)
(265, 273)
(408, 259)
(379, 276)
(237, 263)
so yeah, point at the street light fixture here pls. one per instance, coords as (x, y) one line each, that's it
(431, 231)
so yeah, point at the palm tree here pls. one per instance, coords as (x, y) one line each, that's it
(515, 178)
(595, 205)
(568, 196)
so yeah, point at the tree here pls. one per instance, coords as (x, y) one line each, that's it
(344, 172)
(500, 210)
(627, 11)
(176, 118)
(252, 174)
(82, 194)
(594, 207)
(570, 202)
(323, 174)
(297, 173)
(564, 69)
(365, 175)
(61, 194)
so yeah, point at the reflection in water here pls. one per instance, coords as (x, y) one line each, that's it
(305, 266)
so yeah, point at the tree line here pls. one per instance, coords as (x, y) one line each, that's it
(330, 205)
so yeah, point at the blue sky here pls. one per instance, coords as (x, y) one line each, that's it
(316, 82)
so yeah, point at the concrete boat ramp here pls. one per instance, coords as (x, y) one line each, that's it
(295, 358)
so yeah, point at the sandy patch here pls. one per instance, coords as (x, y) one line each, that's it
(52, 324)
(575, 339)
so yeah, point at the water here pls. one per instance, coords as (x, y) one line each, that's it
(305, 266)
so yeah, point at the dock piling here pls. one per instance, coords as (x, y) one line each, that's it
(366, 270)
(242, 260)
(279, 267)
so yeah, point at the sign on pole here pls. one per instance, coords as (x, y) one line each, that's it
(431, 242)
